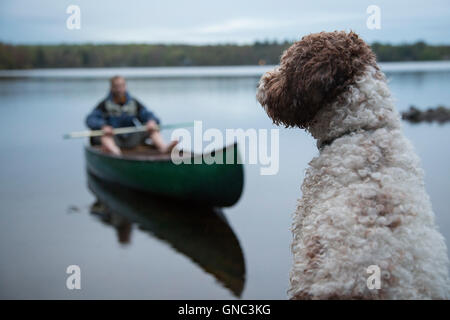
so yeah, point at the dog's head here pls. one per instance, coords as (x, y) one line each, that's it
(312, 73)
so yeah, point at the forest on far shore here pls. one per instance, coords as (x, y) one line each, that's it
(161, 55)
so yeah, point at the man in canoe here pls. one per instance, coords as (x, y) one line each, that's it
(118, 110)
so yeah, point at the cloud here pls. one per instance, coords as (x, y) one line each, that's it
(243, 24)
(205, 21)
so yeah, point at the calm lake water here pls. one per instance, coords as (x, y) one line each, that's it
(50, 218)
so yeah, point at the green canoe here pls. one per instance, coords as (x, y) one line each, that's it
(216, 184)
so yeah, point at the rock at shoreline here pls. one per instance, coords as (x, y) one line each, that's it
(440, 114)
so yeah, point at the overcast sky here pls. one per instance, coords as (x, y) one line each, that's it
(210, 21)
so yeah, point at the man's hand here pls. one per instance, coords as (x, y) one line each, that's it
(152, 126)
(108, 131)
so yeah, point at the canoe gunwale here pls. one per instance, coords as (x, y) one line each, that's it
(154, 158)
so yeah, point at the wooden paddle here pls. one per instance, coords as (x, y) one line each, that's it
(98, 133)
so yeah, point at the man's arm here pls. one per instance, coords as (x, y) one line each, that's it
(95, 120)
(145, 115)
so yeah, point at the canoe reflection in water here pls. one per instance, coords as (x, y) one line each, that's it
(200, 233)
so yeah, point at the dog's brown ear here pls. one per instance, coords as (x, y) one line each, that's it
(335, 60)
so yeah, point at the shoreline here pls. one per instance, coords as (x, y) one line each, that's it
(241, 71)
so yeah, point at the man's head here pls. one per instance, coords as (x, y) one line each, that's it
(312, 73)
(118, 86)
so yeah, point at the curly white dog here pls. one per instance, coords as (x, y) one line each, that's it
(364, 202)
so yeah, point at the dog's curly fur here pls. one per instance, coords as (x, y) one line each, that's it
(364, 202)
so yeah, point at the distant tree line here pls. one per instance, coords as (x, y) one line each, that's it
(153, 55)
(418, 51)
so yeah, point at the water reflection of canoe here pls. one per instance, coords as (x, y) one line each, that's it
(144, 169)
(200, 233)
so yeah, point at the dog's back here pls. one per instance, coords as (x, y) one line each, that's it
(364, 204)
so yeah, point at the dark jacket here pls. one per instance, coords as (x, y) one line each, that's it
(116, 115)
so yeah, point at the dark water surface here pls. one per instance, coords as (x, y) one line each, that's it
(126, 246)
